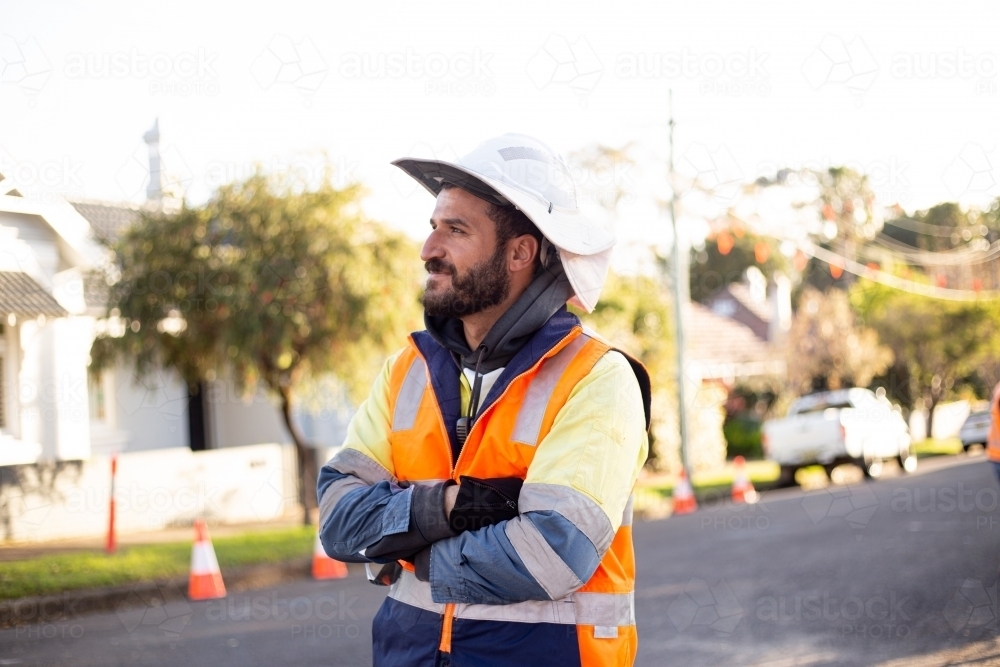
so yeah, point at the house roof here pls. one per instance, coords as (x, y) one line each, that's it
(742, 294)
(107, 219)
(21, 295)
(714, 340)
(735, 302)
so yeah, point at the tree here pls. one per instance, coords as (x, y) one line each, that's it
(939, 343)
(271, 282)
(827, 349)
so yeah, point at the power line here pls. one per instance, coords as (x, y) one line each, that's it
(878, 275)
(892, 280)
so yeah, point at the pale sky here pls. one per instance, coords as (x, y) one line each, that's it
(907, 92)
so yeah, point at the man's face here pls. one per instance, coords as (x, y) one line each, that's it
(468, 272)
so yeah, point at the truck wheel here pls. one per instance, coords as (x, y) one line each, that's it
(872, 468)
(787, 476)
(907, 460)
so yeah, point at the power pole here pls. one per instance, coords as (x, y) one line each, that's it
(681, 296)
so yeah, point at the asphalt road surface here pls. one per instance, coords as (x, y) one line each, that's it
(898, 572)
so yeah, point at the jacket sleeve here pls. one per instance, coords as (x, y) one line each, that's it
(572, 502)
(359, 497)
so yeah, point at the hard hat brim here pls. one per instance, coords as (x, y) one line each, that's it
(567, 229)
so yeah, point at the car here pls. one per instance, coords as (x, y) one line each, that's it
(834, 427)
(975, 430)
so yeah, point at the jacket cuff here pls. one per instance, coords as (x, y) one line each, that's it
(427, 506)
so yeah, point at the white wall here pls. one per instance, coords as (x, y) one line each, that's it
(152, 411)
(238, 421)
(154, 490)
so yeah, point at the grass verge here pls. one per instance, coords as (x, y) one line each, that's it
(81, 570)
(938, 447)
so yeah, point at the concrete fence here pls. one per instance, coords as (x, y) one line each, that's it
(153, 490)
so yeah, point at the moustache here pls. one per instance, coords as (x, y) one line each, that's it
(440, 266)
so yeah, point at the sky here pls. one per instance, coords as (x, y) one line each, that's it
(907, 93)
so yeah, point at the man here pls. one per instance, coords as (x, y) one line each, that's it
(492, 465)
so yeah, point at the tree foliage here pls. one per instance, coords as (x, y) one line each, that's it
(270, 282)
(938, 343)
(826, 347)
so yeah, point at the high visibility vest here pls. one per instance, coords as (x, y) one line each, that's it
(993, 439)
(502, 443)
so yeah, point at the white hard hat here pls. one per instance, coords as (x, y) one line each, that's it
(520, 170)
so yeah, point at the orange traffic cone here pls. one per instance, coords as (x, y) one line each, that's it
(684, 502)
(743, 491)
(205, 582)
(325, 567)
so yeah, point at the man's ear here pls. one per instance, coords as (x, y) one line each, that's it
(523, 252)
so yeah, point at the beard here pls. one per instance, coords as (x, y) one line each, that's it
(483, 286)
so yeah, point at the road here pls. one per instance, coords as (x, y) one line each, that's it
(898, 572)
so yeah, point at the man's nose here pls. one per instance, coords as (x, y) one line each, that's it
(432, 249)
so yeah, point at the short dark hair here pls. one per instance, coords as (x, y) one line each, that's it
(511, 221)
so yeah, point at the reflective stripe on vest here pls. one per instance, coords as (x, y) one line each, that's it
(599, 609)
(529, 418)
(410, 394)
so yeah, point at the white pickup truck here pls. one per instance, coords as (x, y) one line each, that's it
(835, 427)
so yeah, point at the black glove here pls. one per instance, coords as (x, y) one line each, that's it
(484, 502)
(428, 524)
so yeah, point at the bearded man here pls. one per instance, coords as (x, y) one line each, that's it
(491, 468)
